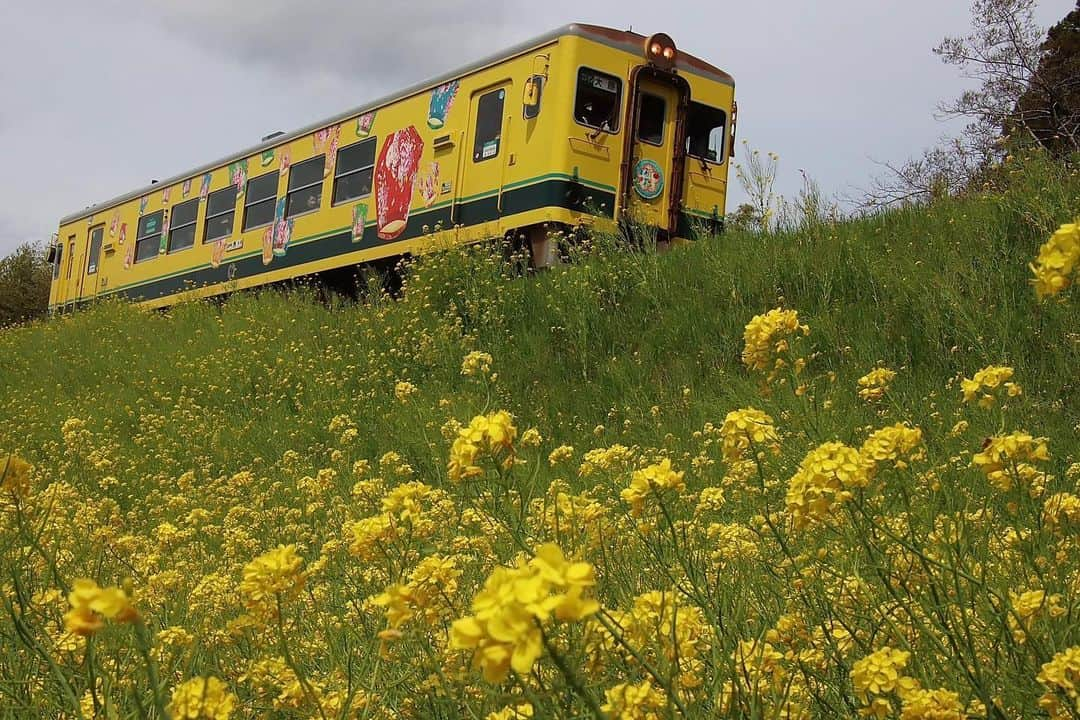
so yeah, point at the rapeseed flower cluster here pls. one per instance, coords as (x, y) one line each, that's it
(1061, 679)
(647, 483)
(826, 479)
(92, 605)
(272, 577)
(202, 699)
(986, 384)
(1057, 262)
(768, 342)
(872, 386)
(506, 629)
(491, 436)
(1007, 461)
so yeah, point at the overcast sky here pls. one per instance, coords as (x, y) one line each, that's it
(98, 97)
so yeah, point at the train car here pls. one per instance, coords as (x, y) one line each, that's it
(582, 125)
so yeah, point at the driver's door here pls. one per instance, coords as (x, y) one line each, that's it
(652, 157)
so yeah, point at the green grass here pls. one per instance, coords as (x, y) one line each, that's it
(638, 348)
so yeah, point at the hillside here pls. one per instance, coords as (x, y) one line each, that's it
(742, 568)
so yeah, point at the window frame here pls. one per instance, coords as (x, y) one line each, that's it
(334, 202)
(139, 239)
(290, 190)
(169, 250)
(478, 157)
(618, 103)
(248, 203)
(232, 210)
(59, 264)
(90, 254)
(722, 158)
(663, 119)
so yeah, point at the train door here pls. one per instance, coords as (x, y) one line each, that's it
(479, 197)
(64, 285)
(88, 271)
(655, 158)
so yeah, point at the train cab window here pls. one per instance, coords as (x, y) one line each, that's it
(305, 186)
(354, 169)
(220, 214)
(489, 121)
(148, 240)
(58, 261)
(96, 236)
(259, 200)
(598, 99)
(182, 221)
(651, 111)
(705, 132)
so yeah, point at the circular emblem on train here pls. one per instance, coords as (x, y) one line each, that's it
(648, 179)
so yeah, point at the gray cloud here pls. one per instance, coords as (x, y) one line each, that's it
(383, 43)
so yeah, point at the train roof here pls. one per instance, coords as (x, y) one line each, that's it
(619, 39)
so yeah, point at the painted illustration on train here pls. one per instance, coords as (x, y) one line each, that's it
(582, 126)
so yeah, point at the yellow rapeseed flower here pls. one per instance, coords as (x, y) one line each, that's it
(766, 341)
(504, 630)
(647, 481)
(15, 476)
(275, 573)
(744, 429)
(641, 701)
(1061, 678)
(476, 363)
(825, 480)
(92, 605)
(1057, 261)
(1007, 459)
(872, 386)
(201, 699)
(879, 672)
(403, 390)
(490, 435)
(985, 384)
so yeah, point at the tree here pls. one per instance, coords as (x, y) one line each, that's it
(1050, 107)
(25, 276)
(1002, 53)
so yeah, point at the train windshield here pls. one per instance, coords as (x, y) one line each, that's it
(596, 104)
(705, 132)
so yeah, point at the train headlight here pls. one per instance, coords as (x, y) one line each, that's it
(660, 51)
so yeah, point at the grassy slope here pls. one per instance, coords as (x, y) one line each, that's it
(638, 349)
(935, 293)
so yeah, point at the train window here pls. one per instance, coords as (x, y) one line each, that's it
(651, 111)
(220, 212)
(58, 261)
(355, 165)
(705, 132)
(96, 236)
(489, 120)
(259, 200)
(305, 186)
(148, 240)
(182, 221)
(598, 98)
(71, 256)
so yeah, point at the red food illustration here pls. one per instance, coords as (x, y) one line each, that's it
(395, 173)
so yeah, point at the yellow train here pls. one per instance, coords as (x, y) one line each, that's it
(577, 126)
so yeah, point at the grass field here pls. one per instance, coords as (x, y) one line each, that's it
(574, 494)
